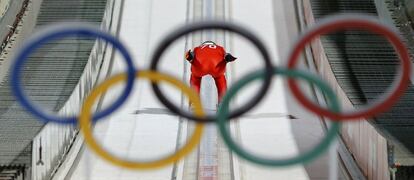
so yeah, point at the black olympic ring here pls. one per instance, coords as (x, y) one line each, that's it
(209, 25)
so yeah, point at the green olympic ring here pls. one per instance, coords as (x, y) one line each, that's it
(318, 150)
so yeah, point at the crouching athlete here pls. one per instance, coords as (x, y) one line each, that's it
(209, 59)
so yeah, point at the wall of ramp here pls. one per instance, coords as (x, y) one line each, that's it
(76, 65)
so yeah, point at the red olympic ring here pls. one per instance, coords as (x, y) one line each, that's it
(341, 22)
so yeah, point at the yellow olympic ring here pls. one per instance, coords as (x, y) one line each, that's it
(85, 121)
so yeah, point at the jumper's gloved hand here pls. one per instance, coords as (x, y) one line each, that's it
(189, 56)
(229, 57)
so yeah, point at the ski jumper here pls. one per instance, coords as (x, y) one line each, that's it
(209, 59)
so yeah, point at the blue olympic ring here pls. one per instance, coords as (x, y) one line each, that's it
(62, 31)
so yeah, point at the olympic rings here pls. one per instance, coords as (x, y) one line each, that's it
(304, 158)
(223, 116)
(85, 124)
(365, 22)
(59, 31)
(208, 26)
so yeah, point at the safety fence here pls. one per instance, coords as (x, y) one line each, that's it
(10, 23)
(14, 25)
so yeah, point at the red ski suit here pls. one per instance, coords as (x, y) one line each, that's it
(209, 60)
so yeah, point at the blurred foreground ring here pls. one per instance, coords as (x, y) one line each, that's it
(54, 32)
(211, 25)
(306, 157)
(86, 124)
(360, 21)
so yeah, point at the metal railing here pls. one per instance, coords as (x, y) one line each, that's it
(13, 27)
